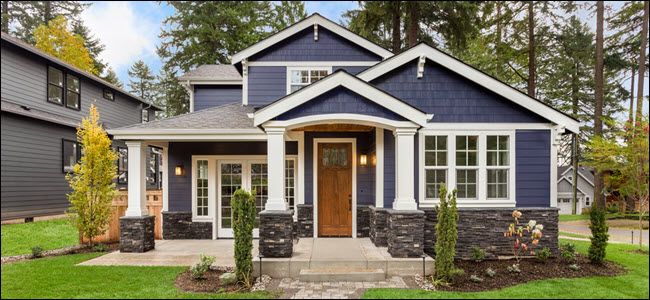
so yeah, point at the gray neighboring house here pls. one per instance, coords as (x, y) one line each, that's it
(585, 193)
(43, 101)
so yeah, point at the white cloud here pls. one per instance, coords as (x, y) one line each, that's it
(128, 36)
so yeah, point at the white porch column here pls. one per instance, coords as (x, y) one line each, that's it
(275, 157)
(405, 169)
(137, 158)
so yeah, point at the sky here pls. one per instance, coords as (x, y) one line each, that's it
(131, 32)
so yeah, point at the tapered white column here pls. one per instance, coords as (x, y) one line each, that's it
(404, 169)
(137, 158)
(275, 157)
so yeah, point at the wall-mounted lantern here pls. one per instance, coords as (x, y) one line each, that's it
(364, 160)
(179, 171)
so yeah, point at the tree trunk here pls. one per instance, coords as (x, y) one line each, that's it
(5, 21)
(396, 26)
(598, 122)
(498, 41)
(642, 62)
(48, 12)
(414, 25)
(632, 100)
(531, 50)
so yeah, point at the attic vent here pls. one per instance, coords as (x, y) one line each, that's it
(316, 32)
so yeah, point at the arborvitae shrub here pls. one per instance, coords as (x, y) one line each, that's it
(446, 234)
(243, 219)
(599, 237)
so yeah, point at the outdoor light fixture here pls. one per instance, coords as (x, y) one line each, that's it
(364, 159)
(180, 171)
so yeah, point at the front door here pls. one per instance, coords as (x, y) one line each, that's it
(335, 189)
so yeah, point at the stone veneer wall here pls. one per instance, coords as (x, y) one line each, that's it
(178, 225)
(137, 234)
(379, 226)
(484, 228)
(405, 233)
(363, 221)
(276, 233)
(305, 224)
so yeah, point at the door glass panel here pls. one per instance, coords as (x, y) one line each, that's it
(231, 174)
(333, 157)
(259, 184)
(202, 188)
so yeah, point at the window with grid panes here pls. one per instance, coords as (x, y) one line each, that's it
(435, 165)
(498, 165)
(202, 188)
(466, 166)
(302, 78)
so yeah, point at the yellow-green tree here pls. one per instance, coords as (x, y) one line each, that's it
(92, 180)
(57, 39)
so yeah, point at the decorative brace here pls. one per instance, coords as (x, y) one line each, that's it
(315, 31)
(244, 66)
(559, 130)
(421, 62)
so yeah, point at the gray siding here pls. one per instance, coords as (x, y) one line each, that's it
(533, 168)
(206, 96)
(266, 84)
(302, 47)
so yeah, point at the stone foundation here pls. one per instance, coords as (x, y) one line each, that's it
(305, 224)
(276, 230)
(178, 225)
(405, 233)
(363, 221)
(137, 234)
(484, 228)
(379, 226)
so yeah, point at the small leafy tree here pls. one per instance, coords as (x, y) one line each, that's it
(243, 214)
(628, 159)
(446, 235)
(57, 39)
(92, 184)
(515, 236)
(599, 236)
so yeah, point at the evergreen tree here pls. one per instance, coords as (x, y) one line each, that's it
(111, 77)
(286, 13)
(142, 81)
(170, 94)
(36, 13)
(92, 43)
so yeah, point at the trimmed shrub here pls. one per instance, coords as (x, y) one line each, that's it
(568, 251)
(455, 275)
(490, 273)
(203, 266)
(543, 255)
(243, 221)
(101, 247)
(478, 254)
(599, 237)
(37, 252)
(446, 234)
(574, 267)
(475, 279)
(514, 269)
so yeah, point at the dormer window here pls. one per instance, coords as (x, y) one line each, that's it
(300, 77)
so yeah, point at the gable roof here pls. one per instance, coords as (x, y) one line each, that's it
(584, 172)
(340, 78)
(433, 54)
(20, 44)
(305, 23)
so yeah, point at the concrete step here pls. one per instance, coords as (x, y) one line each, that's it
(338, 275)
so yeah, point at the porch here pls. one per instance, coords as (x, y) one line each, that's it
(324, 259)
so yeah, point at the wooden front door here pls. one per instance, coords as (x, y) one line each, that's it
(335, 189)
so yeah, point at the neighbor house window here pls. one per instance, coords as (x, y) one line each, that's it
(467, 166)
(145, 116)
(435, 165)
(109, 95)
(301, 77)
(54, 85)
(122, 165)
(71, 155)
(202, 188)
(498, 162)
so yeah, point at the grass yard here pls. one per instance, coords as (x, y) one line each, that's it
(52, 234)
(634, 285)
(58, 277)
(569, 218)
(573, 235)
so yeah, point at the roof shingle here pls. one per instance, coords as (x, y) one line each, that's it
(212, 72)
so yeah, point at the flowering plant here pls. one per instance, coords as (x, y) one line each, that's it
(519, 240)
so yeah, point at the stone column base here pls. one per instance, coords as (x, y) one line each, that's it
(363, 221)
(137, 234)
(405, 233)
(305, 220)
(379, 226)
(276, 231)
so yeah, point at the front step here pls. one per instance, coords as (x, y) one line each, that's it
(339, 275)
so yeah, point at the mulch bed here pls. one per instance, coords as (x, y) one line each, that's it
(75, 249)
(531, 270)
(636, 251)
(210, 283)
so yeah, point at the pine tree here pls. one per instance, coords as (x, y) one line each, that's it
(142, 81)
(92, 43)
(170, 94)
(287, 13)
(111, 77)
(36, 13)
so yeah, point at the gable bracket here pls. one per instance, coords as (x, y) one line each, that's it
(244, 67)
(421, 62)
(315, 31)
(559, 130)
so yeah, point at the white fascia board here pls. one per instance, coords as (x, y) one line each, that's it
(308, 22)
(357, 119)
(214, 82)
(474, 75)
(187, 134)
(488, 126)
(311, 63)
(333, 81)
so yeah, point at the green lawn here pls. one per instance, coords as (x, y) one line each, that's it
(573, 235)
(569, 218)
(633, 285)
(58, 277)
(53, 234)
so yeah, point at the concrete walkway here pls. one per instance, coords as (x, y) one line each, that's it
(615, 234)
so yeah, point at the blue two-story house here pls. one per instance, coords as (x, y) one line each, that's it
(341, 138)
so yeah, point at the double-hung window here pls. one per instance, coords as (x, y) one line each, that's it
(71, 155)
(73, 92)
(498, 165)
(435, 165)
(304, 76)
(467, 166)
(63, 89)
(55, 86)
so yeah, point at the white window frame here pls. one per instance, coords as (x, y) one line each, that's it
(510, 162)
(477, 167)
(481, 200)
(304, 68)
(445, 167)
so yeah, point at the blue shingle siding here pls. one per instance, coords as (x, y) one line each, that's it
(302, 47)
(365, 175)
(266, 84)
(180, 154)
(206, 96)
(451, 97)
(340, 100)
(350, 69)
(533, 168)
(389, 168)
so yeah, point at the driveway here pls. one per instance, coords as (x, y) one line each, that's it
(615, 234)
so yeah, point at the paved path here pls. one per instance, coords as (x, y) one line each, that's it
(615, 234)
(296, 289)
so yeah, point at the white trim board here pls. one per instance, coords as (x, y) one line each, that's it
(472, 74)
(340, 118)
(331, 82)
(353, 141)
(305, 23)
(312, 63)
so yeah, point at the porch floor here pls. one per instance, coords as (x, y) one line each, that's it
(326, 254)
